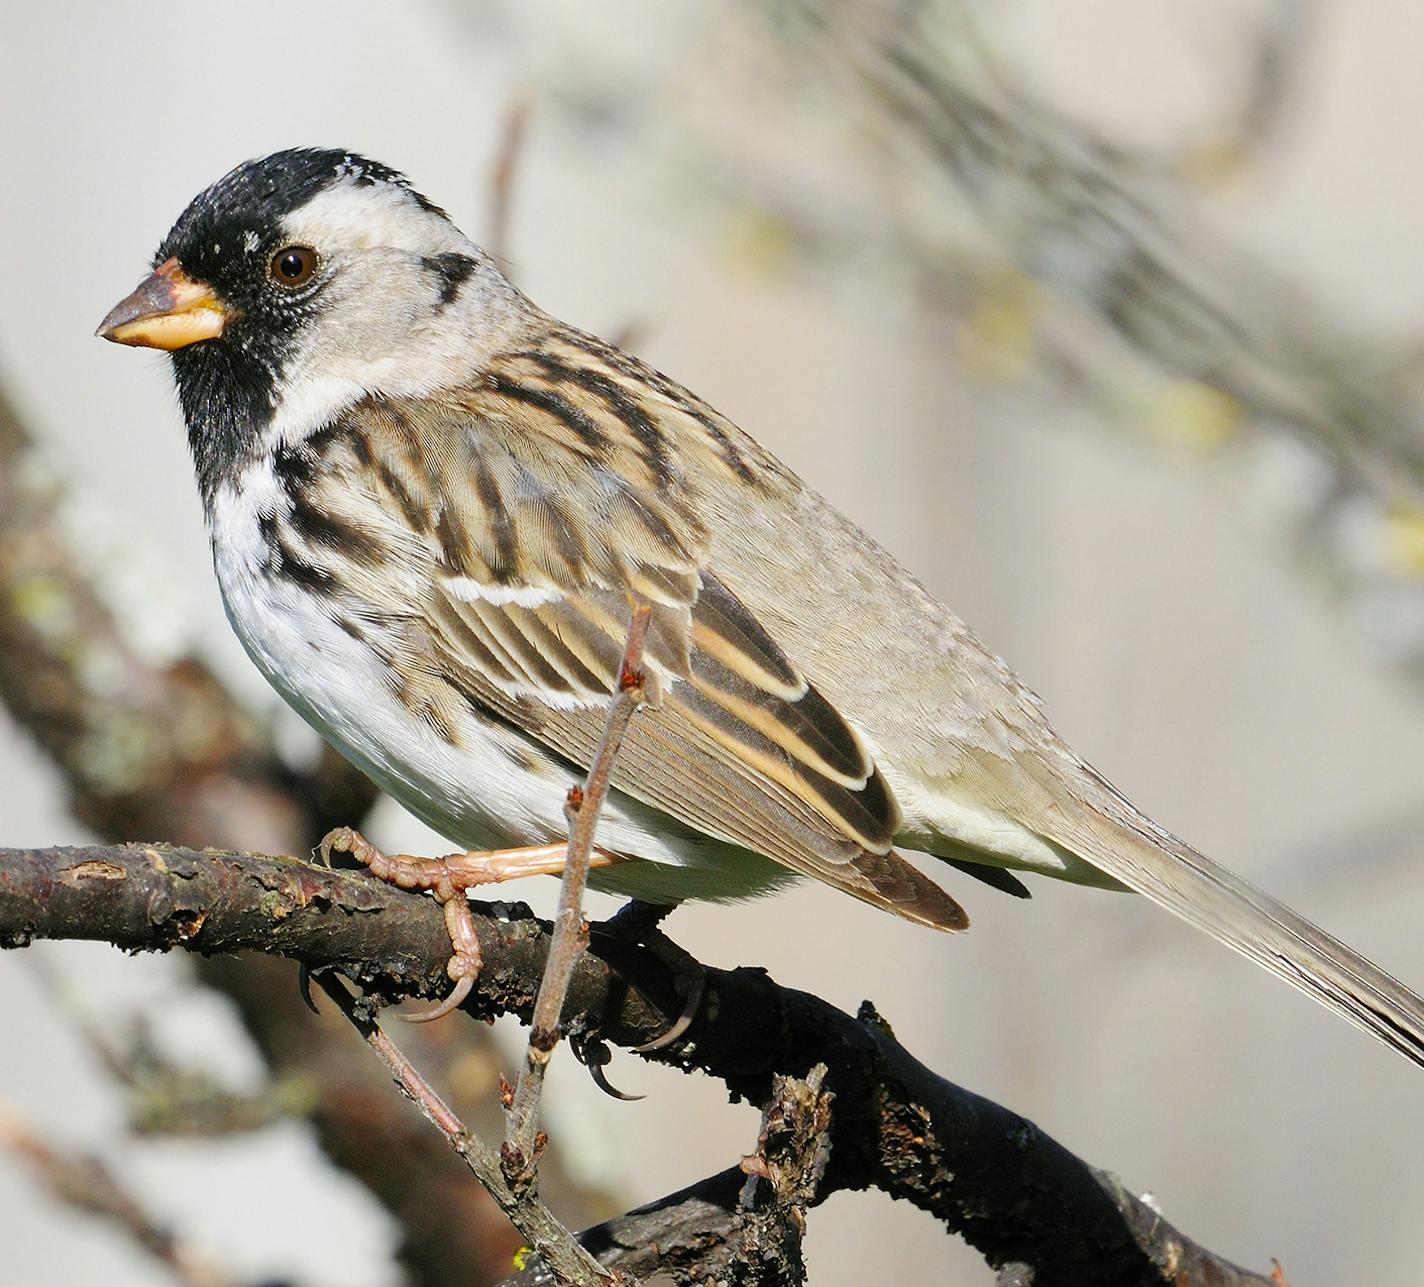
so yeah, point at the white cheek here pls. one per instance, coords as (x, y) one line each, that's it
(354, 349)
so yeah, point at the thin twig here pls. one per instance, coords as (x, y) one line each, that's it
(568, 1262)
(522, 1139)
(501, 181)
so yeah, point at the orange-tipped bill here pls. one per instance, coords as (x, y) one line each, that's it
(169, 310)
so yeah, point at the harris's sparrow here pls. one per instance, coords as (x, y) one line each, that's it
(430, 505)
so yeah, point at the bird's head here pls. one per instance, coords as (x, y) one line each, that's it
(300, 282)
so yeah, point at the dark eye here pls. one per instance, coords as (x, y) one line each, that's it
(293, 265)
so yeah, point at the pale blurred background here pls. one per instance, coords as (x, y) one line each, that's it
(1223, 617)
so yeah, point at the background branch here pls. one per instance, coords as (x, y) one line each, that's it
(1066, 261)
(86, 1184)
(1012, 1192)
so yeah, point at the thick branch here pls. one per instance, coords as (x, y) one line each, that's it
(986, 1173)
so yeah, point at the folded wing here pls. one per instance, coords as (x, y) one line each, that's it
(556, 509)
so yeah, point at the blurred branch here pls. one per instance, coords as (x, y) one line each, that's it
(86, 1184)
(163, 1097)
(146, 747)
(985, 1172)
(909, 154)
(1328, 436)
(501, 180)
(1277, 55)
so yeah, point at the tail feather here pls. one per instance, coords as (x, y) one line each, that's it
(1251, 922)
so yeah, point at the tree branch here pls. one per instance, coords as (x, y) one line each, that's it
(565, 1259)
(689, 1235)
(86, 1184)
(783, 1178)
(986, 1173)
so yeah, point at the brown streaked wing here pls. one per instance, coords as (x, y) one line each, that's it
(786, 778)
(556, 497)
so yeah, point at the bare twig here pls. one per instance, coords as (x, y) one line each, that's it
(501, 180)
(564, 1258)
(522, 1143)
(985, 1172)
(85, 1183)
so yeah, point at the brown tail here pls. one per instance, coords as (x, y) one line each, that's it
(1250, 921)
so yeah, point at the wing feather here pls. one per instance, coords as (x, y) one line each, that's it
(742, 765)
(551, 515)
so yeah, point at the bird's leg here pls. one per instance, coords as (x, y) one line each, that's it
(448, 878)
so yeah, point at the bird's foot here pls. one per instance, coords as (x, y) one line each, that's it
(640, 923)
(448, 879)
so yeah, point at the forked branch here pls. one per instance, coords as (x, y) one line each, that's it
(986, 1173)
(562, 1256)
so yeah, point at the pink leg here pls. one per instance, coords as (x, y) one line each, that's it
(448, 878)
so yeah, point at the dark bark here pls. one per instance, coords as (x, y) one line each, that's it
(986, 1173)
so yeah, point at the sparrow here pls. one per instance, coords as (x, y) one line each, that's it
(431, 506)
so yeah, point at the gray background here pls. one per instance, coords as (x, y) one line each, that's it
(1172, 643)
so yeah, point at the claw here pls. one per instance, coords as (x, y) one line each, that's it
(462, 989)
(690, 1007)
(595, 1055)
(304, 976)
(447, 879)
(641, 923)
(600, 1079)
(342, 840)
